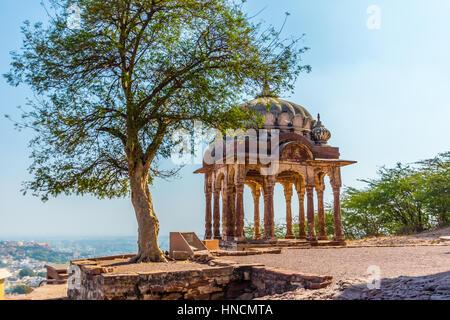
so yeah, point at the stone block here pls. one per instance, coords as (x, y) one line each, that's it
(202, 297)
(155, 288)
(172, 296)
(151, 297)
(258, 269)
(174, 287)
(246, 296)
(180, 255)
(211, 244)
(219, 271)
(235, 289)
(197, 283)
(191, 294)
(222, 280)
(217, 296)
(208, 289)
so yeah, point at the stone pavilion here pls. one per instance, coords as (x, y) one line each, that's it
(299, 159)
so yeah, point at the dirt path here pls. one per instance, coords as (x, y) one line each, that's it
(424, 238)
(345, 263)
(421, 272)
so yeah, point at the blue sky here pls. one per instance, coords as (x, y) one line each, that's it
(384, 95)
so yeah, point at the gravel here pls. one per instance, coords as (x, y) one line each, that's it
(412, 273)
(432, 287)
(347, 263)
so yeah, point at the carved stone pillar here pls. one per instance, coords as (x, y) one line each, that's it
(224, 210)
(310, 213)
(256, 193)
(269, 224)
(338, 234)
(239, 236)
(216, 214)
(208, 216)
(321, 213)
(288, 196)
(266, 212)
(301, 214)
(231, 219)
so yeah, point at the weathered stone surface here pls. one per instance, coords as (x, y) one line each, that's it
(202, 256)
(151, 297)
(211, 244)
(401, 288)
(232, 281)
(180, 255)
(209, 289)
(217, 296)
(246, 296)
(220, 271)
(172, 296)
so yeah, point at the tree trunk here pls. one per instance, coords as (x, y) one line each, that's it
(148, 225)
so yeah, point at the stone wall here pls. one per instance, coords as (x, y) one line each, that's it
(223, 280)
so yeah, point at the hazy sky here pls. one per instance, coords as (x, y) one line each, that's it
(383, 93)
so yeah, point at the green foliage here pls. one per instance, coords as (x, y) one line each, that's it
(110, 95)
(280, 227)
(329, 223)
(26, 272)
(21, 289)
(280, 230)
(249, 229)
(402, 200)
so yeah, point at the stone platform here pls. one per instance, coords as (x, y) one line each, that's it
(277, 243)
(112, 278)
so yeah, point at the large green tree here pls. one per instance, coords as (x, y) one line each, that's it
(112, 90)
(404, 199)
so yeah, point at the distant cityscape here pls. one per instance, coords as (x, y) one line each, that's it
(26, 260)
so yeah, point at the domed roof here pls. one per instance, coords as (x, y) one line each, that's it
(271, 104)
(281, 114)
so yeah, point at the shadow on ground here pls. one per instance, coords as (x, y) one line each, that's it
(434, 287)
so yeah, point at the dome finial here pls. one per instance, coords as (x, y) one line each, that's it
(266, 91)
(266, 88)
(319, 133)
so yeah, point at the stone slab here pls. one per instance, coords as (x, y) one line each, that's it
(211, 244)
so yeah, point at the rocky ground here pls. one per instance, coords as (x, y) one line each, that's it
(410, 267)
(433, 287)
(424, 238)
(351, 263)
